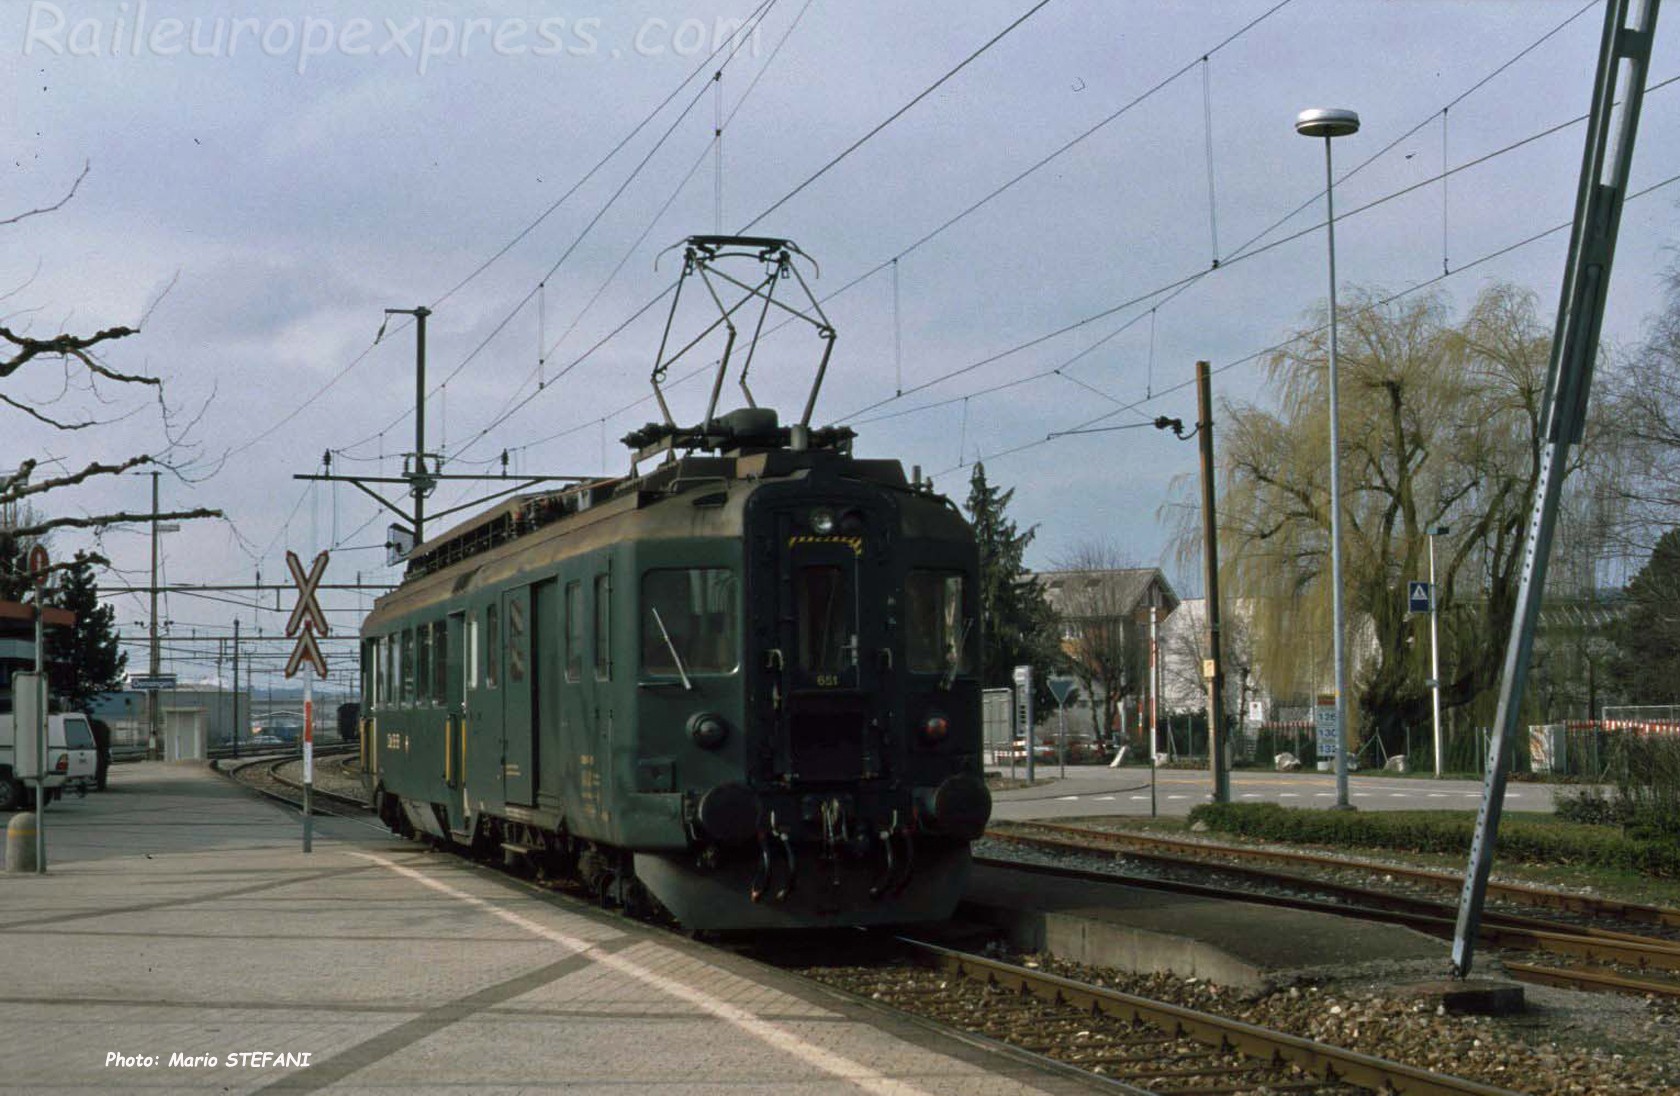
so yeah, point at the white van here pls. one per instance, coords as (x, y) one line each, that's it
(72, 759)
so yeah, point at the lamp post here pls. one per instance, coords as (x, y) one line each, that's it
(1328, 124)
(1435, 646)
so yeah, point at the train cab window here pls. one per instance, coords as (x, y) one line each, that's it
(374, 688)
(440, 662)
(574, 631)
(824, 601)
(492, 646)
(689, 614)
(388, 683)
(603, 626)
(936, 633)
(423, 664)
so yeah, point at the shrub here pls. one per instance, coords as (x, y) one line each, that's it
(1642, 851)
(1588, 806)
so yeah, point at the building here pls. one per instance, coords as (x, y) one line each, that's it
(192, 720)
(17, 638)
(1104, 616)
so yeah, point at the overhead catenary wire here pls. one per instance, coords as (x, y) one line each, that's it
(647, 119)
(895, 115)
(1300, 335)
(996, 191)
(1241, 255)
(723, 123)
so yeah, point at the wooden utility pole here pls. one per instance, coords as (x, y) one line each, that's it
(1215, 669)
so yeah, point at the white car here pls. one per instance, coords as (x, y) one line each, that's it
(72, 759)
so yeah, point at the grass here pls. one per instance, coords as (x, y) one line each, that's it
(1592, 875)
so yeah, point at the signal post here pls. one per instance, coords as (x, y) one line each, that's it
(306, 621)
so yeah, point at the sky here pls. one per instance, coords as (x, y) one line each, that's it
(265, 179)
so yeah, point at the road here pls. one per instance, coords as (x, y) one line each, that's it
(1095, 790)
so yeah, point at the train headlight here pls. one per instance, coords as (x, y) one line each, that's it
(934, 729)
(822, 521)
(707, 730)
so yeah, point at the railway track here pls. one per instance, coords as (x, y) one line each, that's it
(1592, 907)
(1138, 1044)
(1129, 1042)
(263, 776)
(1601, 960)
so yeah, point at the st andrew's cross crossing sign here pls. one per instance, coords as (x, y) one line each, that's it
(307, 619)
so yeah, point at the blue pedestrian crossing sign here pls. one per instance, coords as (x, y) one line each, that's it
(1418, 597)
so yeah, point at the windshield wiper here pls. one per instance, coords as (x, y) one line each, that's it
(956, 656)
(672, 647)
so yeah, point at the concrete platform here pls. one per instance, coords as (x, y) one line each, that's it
(1248, 947)
(180, 917)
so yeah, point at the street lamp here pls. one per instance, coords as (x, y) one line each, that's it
(1435, 645)
(1329, 123)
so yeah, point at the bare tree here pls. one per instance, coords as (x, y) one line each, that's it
(81, 358)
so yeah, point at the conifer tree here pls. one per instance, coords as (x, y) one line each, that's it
(1017, 625)
(86, 661)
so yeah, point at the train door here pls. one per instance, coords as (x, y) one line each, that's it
(518, 699)
(545, 685)
(482, 728)
(448, 660)
(828, 728)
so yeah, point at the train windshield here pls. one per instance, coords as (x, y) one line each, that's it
(689, 613)
(825, 618)
(935, 639)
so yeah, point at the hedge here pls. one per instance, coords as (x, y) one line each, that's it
(1528, 842)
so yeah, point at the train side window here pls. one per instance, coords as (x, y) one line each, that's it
(472, 651)
(407, 657)
(574, 631)
(492, 646)
(603, 626)
(440, 662)
(388, 681)
(374, 693)
(423, 664)
(697, 609)
(936, 632)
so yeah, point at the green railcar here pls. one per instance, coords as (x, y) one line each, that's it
(743, 683)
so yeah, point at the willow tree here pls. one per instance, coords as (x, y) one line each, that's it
(1439, 427)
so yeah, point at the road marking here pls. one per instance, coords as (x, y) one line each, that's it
(1251, 795)
(1140, 797)
(1288, 795)
(1363, 795)
(1399, 795)
(1105, 799)
(1177, 797)
(1437, 795)
(776, 1035)
(1065, 798)
(1325, 795)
